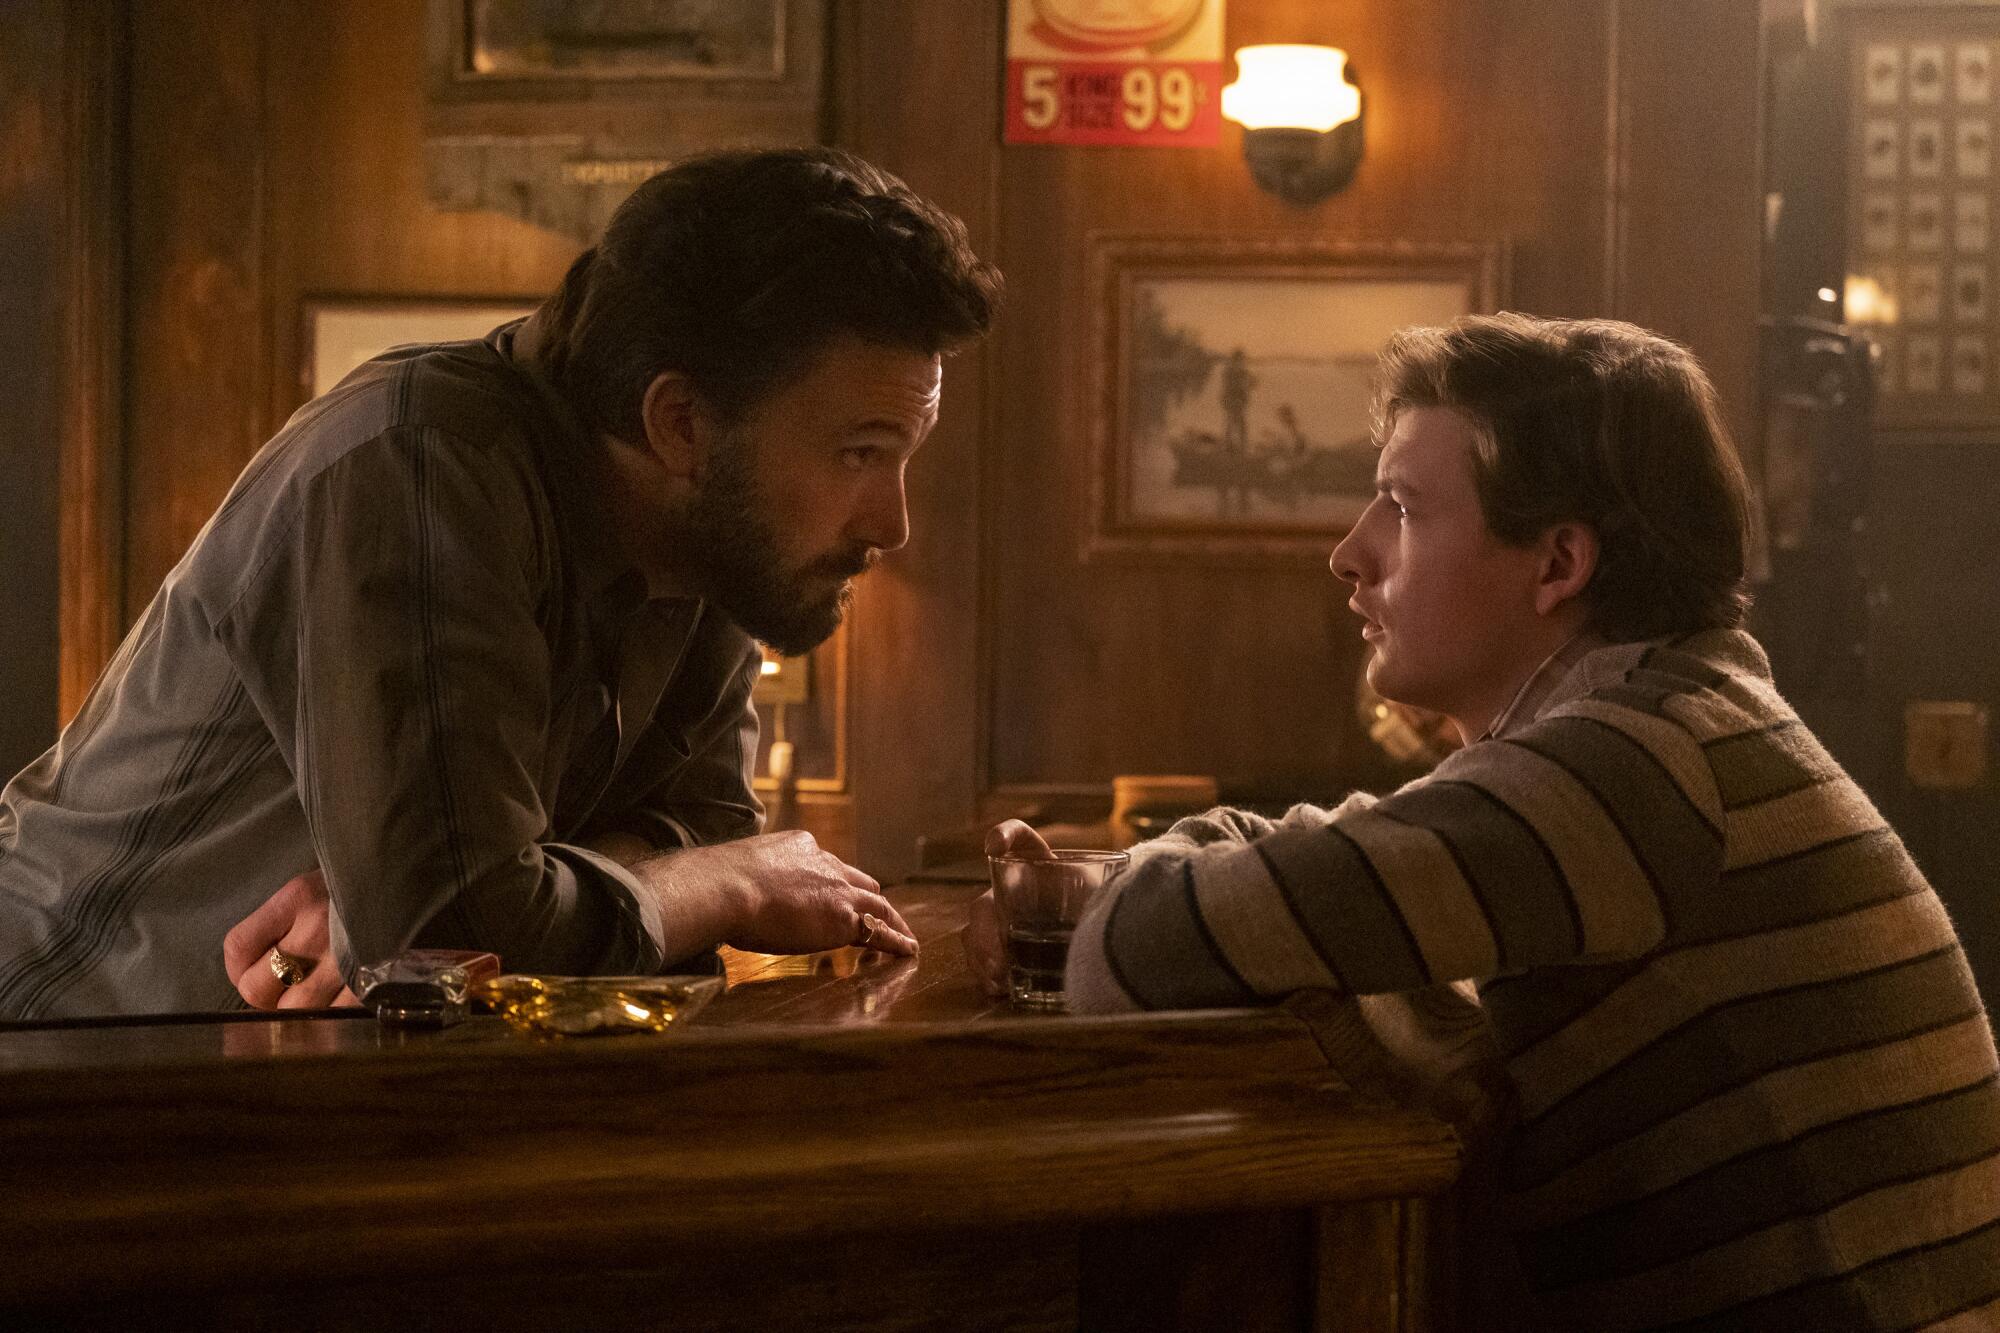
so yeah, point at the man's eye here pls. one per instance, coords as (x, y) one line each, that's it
(858, 457)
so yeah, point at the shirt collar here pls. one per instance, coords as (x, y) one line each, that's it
(1554, 681)
(1589, 661)
(606, 577)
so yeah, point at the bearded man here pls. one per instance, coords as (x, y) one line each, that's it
(468, 648)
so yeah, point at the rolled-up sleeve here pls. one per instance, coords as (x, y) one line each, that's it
(414, 705)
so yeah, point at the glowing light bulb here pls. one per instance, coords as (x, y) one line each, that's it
(1868, 302)
(1291, 87)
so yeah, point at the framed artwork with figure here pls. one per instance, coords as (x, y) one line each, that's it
(1233, 381)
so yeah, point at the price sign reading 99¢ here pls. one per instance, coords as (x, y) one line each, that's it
(1071, 83)
(1110, 104)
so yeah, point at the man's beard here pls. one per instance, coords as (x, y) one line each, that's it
(734, 554)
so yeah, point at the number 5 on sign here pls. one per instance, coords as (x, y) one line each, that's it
(1041, 106)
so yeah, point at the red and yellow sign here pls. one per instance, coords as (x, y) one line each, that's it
(1114, 71)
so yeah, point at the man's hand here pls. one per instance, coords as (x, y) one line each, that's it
(774, 893)
(293, 919)
(984, 951)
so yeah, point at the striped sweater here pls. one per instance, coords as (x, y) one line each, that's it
(1754, 1084)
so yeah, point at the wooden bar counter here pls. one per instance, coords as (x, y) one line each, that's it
(838, 1141)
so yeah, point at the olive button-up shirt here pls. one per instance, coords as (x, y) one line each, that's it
(406, 651)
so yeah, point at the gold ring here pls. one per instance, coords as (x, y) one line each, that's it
(870, 923)
(288, 970)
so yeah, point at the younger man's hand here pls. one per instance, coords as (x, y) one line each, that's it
(984, 953)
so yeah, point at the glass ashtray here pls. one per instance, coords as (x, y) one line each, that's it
(537, 1006)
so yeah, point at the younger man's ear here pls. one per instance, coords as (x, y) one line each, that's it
(676, 434)
(1569, 559)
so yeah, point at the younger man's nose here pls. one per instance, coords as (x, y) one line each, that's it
(1343, 563)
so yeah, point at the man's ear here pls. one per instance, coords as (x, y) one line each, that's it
(1569, 559)
(676, 427)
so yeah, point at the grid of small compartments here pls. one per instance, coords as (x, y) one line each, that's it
(1921, 218)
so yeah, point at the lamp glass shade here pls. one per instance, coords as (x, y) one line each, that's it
(1291, 87)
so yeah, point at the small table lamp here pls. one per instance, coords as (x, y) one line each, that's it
(782, 681)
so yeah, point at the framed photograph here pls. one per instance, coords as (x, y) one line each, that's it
(341, 332)
(804, 701)
(552, 112)
(616, 71)
(1233, 382)
(624, 39)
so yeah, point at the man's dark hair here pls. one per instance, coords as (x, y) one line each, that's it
(738, 268)
(1600, 422)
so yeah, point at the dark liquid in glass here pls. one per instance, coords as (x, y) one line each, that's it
(1035, 958)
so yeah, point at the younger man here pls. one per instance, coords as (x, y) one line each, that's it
(1754, 1086)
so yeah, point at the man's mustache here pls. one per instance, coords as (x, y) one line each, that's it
(845, 564)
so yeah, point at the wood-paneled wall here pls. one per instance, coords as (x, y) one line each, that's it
(60, 68)
(1609, 144)
(32, 189)
(1180, 663)
(276, 154)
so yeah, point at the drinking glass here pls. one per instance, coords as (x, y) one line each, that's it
(1039, 901)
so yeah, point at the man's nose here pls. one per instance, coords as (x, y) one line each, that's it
(884, 519)
(1345, 562)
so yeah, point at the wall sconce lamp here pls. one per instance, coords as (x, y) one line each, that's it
(782, 681)
(1301, 114)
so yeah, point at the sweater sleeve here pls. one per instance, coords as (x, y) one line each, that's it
(1222, 826)
(1564, 843)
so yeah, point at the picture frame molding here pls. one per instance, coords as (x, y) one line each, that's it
(561, 149)
(1119, 261)
(833, 670)
(613, 105)
(315, 305)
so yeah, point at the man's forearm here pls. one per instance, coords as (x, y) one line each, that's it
(697, 910)
(624, 848)
(695, 914)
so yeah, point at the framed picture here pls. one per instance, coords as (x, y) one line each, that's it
(552, 112)
(1233, 382)
(623, 39)
(341, 332)
(804, 701)
(627, 78)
